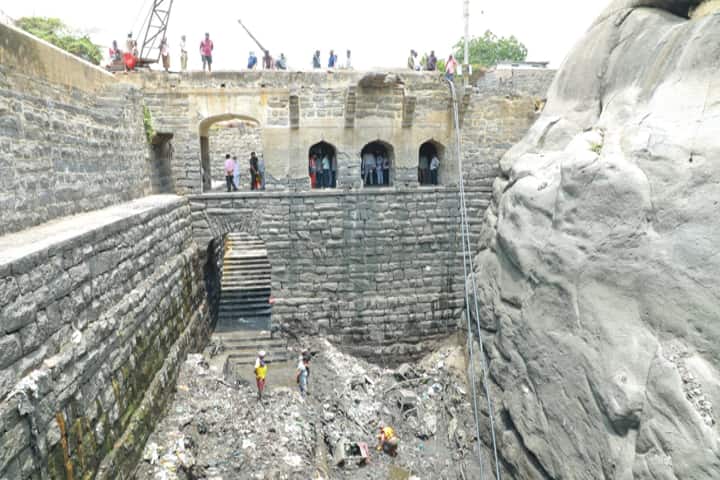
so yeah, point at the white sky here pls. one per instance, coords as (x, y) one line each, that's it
(380, 33)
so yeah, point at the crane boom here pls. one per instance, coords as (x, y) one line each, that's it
(252, 36)
(157, 24)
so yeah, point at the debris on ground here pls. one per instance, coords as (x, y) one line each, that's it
(216, 429)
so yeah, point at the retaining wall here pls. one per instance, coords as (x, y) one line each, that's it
(96, 313)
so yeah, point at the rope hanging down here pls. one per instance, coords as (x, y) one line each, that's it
(471, 285)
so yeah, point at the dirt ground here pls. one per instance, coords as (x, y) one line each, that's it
(215, 427)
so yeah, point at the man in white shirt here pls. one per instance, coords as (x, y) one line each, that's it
(434, 165)
(183, 54)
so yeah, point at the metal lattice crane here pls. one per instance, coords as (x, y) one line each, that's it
(153, 30)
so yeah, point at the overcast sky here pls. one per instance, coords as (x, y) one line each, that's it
(379, 32)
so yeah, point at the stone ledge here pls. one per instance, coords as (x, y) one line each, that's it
(61, 233)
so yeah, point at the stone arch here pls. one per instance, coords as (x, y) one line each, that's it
(371, 148)
(426, 150)
(203, 131)
(318, 149)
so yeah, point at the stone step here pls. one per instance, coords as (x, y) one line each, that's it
(240, 312)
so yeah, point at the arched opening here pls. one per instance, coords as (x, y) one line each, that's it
(322, 165)
(377, 160)
(238, 136)
(430, 161)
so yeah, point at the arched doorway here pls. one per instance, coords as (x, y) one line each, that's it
(377, 159)
(322, 165)
(234, 134)
(430, 161)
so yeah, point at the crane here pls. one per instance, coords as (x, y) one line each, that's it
(262, 49)
(155, 27)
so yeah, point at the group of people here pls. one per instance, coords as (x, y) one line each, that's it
(429, 63)
(428, 166)
(268, 63)
(388, 440)
(375, 168)
(256, 169)
(322, 168)
(333, 61)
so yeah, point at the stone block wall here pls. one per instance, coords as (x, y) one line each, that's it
(370, 269)
(96, 313)
(236, 138)
(67, 145)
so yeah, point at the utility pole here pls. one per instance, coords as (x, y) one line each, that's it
(466, 61)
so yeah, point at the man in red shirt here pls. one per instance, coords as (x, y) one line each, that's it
(206, 48)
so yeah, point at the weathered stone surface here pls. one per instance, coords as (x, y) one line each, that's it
(599, 261)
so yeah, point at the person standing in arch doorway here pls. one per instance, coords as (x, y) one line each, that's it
(368, 166)
(379, 162)
(206, 49)
(229, 173)
(312, 171)
(253, 171)
(434, 165)
(325, 170)
(386, 170)
(333, 171)
(183, 53)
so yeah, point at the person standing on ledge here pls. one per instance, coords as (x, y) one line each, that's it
(316, 60)
(332, 59)
(432, 62)
(252, 61)
(450, 68)
(165, 54)
(229, 173)
(348, 61)
(267, 61)
(253, 171)
(260, 373)
(281, 63)
(183, 53)
(206, 49)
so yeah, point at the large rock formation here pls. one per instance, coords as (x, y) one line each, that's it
(600, 259)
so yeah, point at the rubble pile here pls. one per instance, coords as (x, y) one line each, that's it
(216, 428)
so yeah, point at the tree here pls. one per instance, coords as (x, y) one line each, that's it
(54, 31)
(490, 49)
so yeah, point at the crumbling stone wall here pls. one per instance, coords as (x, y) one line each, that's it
(67, 145)
(370, 269)
(92, 328)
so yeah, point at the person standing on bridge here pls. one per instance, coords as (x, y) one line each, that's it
(236, 172)
(253, 171)
(206, 49)
(229, 173)
(260, 373)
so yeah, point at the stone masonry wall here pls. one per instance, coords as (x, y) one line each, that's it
(95, 316)
(64, 147)
(370, 269)
(236, 138)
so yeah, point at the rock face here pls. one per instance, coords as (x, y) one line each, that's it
(600, 256)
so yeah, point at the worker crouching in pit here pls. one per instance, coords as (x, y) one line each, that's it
(387, 441)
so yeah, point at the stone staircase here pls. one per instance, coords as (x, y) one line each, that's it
(243, 326)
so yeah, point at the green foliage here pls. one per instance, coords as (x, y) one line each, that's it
(147, 123)
(441, 65)
(490, 49)
(54, 31)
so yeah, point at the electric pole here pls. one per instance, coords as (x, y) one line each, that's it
(466, 61)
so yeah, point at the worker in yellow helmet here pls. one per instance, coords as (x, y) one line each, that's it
(388, 441)
(260, 373)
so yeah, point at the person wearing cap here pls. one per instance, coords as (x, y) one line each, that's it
(260, 373)
(387, 440)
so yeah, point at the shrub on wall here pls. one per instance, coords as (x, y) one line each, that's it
(147, 123)
(54, 31)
